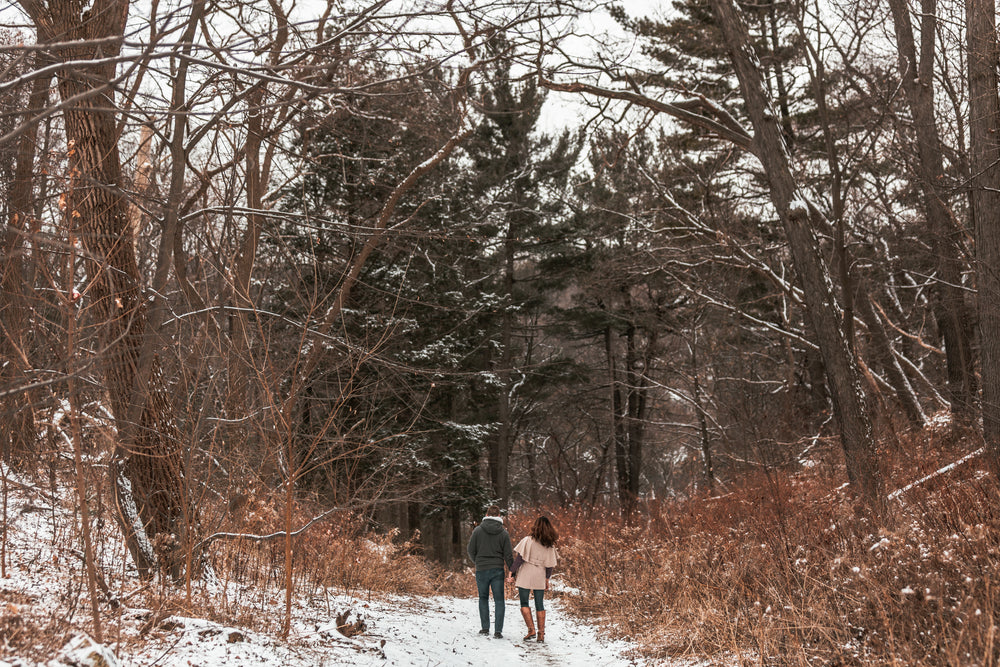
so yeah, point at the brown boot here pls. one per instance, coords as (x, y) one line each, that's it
(541, 626)
(526, 615)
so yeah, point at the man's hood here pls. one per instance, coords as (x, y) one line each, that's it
(492, 525)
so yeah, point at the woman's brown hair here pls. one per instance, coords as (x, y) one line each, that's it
(543, 532)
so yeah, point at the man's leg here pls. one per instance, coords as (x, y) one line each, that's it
(497, 585)
(483, 585)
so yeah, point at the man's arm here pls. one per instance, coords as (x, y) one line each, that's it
(473, 547)
(508, 552)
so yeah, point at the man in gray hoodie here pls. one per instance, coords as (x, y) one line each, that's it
(489, 548)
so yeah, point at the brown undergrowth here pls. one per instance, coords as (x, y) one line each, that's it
(786, 570)
(339, 553)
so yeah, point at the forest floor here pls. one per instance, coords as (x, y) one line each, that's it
(45, 616)
(783, 569)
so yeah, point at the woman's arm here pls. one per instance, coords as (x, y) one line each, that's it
(518, 562)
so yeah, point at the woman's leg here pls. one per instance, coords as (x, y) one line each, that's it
(522, 593)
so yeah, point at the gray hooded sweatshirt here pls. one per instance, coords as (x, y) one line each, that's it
(489, 546)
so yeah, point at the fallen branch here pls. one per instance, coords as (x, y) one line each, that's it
(937, 473)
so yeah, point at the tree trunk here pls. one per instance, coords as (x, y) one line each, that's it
(819, 85)
(240, 334)
(851, 404)
(945, 234)
(147, 464)
(530, 456)
(779, 75)
(17, 419)
(500, 448)
(637, 393)
(984, 125)
(707, 470)
(618, 431)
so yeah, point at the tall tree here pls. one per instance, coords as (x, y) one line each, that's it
(516, 167)
(620, 297)
(799, 217)
(17, 420)
(916, 72)
(147, 464)
(404, 363)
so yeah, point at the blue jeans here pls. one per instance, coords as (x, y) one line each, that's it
(485, 581)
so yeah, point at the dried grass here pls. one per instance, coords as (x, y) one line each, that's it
(785, 570)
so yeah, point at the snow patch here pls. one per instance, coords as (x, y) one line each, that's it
(82, 651)
(798, 208)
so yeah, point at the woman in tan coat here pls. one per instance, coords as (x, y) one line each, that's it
(534, 558)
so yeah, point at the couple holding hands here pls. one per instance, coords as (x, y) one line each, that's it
(530, 564)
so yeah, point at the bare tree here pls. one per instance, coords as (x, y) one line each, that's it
(984, 161)
(946, 234)
(148, 466)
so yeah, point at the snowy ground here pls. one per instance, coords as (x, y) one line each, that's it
(43, 582)
(413, 631)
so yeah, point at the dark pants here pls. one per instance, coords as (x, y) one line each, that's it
(539, 597)
(485, 581)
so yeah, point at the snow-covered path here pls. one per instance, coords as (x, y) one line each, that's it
(423, 631)
(445, 632)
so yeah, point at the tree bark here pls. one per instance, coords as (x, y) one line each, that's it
(240, 334)
(707, 469)
(637, 374)
(618, 431)
(629, 459)
(984, 149)
(851, 403)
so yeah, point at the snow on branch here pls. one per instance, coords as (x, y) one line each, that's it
(465, 128)
(937, 473)
(262, 538)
